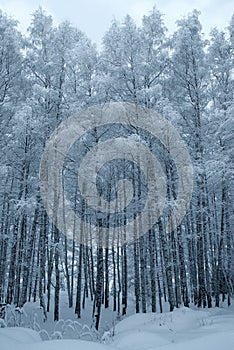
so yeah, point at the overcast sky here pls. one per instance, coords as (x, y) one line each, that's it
(94, 16)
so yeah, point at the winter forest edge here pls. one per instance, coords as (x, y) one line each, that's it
(55, 71)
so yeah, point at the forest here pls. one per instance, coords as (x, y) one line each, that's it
(54, 71)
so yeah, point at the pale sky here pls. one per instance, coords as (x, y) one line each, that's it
(94, 16)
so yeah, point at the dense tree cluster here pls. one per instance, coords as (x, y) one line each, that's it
(55, 71)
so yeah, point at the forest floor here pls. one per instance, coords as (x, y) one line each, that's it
(182, 329)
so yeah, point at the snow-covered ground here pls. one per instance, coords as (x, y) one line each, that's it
(185, 328)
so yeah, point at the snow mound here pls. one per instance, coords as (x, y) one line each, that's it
(13, 337)
(17, 338)
(182, 329)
